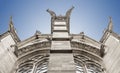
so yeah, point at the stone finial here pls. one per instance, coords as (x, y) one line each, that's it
(69, 11)
(51, 13)
(37, 33)
(82, 34)
(110, 25)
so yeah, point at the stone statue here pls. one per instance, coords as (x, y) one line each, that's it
(69, 11)
(51, 13)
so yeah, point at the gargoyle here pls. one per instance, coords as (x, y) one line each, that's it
(51, 13)
(69, 11)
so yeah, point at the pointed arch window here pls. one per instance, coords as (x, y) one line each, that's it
(79, 68)
(36, 64)
(26, 68)
(42, 68)
(84, 65)
(92, 68)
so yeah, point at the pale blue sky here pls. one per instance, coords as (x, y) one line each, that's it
(89, 16)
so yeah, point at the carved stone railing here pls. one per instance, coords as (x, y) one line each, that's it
(30, 48)
(82, 46)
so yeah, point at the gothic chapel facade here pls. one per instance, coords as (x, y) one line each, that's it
(60, 51)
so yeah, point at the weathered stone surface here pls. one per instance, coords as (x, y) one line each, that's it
(60, 28)
(60, 45)
(61, 63)
(60, 35)
(7, 57)
(112, 57)
(59, 23)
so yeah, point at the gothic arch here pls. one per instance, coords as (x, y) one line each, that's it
(93, 68)
(36, 64)
(85, 65)
(25, 67)
(33, 58)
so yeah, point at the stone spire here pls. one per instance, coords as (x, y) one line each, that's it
(12, 30)
(11, 25)
(110, 25)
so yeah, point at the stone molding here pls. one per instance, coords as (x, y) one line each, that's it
(33, 47)
(85, 47)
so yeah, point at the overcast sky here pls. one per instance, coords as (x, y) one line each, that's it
(89, 16)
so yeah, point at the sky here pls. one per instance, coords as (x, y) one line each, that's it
(88, 16)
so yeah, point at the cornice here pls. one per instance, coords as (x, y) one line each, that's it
(85, 47)
(32, 38)
(33, 47)
(86, 38)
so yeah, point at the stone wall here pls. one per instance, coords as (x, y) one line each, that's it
(7, 57)
(112, 57)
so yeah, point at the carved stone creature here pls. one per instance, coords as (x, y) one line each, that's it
(52, 13)
(69, 11)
